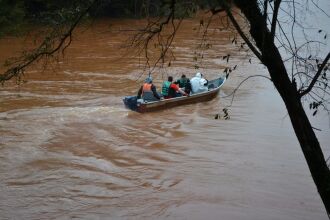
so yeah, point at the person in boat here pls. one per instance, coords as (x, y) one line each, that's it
(171, 90)
(198, 83)
(148, 91)
(184, 83)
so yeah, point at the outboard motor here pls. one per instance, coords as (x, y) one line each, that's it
(131, 102)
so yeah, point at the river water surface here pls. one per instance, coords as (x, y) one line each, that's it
(70, 150)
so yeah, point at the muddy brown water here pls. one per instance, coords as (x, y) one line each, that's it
(70, 150)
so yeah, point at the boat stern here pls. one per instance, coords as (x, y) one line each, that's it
(131, 102)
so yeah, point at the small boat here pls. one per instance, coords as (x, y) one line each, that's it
(139, 105)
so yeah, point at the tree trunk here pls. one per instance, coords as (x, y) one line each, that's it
(302, 127)
(272, 59)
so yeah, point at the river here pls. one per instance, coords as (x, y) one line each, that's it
(70, 150)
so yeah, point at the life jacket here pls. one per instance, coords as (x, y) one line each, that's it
(146, 88)
(165, 87)
(183, 82)
(171, 92)
(147, 93)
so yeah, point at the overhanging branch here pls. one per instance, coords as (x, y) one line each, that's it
(43, 50)
(317, 75)
(240, 31)
(153, 30)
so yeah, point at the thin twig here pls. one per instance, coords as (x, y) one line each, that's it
(241, 83)
(240, 31)
(318, 73)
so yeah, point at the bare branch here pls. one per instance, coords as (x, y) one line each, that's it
(44, 50)
(324, 12)
(241, 83)
(265, 9)
(240, 31)
(277, 4)
(153, 30)
(318, 73)
(168, 43)
(216, 11)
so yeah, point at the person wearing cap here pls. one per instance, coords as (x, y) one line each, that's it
(198, 83)
(171, 90)
(148, 91)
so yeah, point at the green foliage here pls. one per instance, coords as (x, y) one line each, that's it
(11, 16)
(15, 14)
(127, 8)
(52, 12)
(207, 4)
(185, 9)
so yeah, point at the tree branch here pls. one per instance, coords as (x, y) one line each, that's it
(240, 31)
(277, 4)
(318, 73)
(265, 9)
(43, 50)
(265, 15)
(154, 29)
(241, 83)
(216, 11)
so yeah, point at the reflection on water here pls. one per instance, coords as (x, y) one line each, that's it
(69, 149)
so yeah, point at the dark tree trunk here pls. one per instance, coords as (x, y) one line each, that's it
(272, 59)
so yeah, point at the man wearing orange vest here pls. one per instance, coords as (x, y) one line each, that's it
(148, 91)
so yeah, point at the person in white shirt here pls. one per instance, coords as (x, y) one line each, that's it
(198, 83)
